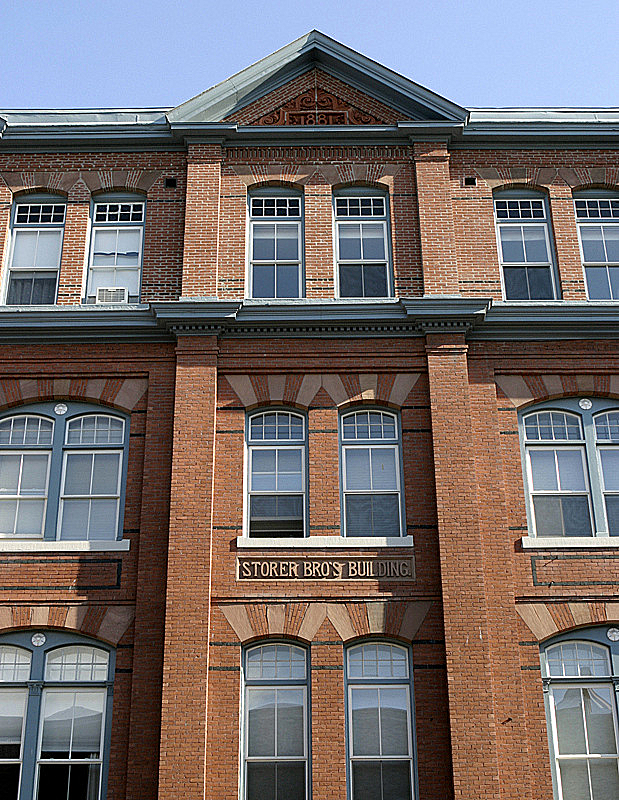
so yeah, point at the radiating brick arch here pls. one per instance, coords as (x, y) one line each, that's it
(137, 180)
(545, 176)
(548, 619)
(349, 620)
(121, 393)
(108, 623)
(299, 175)
(299, 391)
(522, 390)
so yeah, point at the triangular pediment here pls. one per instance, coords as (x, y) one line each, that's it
(344, 86)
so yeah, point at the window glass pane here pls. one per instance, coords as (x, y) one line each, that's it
(72, 781)
(373, 241)
(12, 713)
(543, 470)
(612, 514)
(287, 243)
(577, 659)
(58, 707)
(604, 779)
(9, 472)
(290, 722)
(104, 247)
(375, 280)
(607, 426)
(396, 780)
(289, 478)
(287, 280)
(535, 243)
(87, 725)
(548, 425)
(260, 781)
(77, 663)
(357, 461)
(14, 663)
(516, 285)
(263, 476)
(276, 515)
(548, 520)
(598, 703)
(611, 237)
(103, 519)
(569, 719)
(128, 245)
(34, 474)
(263, 283)
(613, 273)
(48, 249)
(571, 475)
(365, 725)
(128, 279)
(610, 469)
(31, 288)
(394, 721)
(78, 473)
(372, 515)
(9, 780)
(290, 781)
(351, 281)
(105, 473)
(8, 511)
(261, 722)
(29, 521)
(263, 242)
(383, 469)
(24, 248)
(511, 243)
(540, 283)
(592, 243)
(574, 780)
(75, 515)
(349, 242)
(366, 781)
(576, 518)
(598, 285)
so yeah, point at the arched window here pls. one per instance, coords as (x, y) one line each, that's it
(36, 245)
(597, 215)
(580, 671)
(380, 726)
(62, 472)
(115, 265)
(55, 714)
(275, 729)
(276, 459)
(275, 243)
(571, 465)
(372, 502)
(362, 243)
(525, 248)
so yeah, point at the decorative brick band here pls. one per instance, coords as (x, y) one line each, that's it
(545, 176)
(253, 390)
(349, 620)
(548, 619)
(301, 174)
(122, 393)
(105, 180)
(521, 390)
(108, 623)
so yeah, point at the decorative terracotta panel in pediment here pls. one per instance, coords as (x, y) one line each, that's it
(317, 106)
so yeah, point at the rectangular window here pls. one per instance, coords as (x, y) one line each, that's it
(116, 252)
(35, 254)
(12, 717)
(599, 245)
(90, 494)
(362, 247)
(524, 249)
(275, 247)
(23, 492)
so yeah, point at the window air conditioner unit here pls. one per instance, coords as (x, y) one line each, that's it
(113, 294)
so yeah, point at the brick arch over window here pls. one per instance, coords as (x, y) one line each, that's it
(299, 390)
(523, 390)
(108, 623)
(548, 619)
(302, 621)
(298, 175)
(121, 393)
(132, 180)
(531, 176)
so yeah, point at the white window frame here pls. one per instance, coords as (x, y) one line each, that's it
(34, 200)
(89, 296)
(543, 222)
(595, 222)
(275, 220)
(274, 445)
(20, 497)
(372, 444)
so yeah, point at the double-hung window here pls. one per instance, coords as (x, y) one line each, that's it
(114, 272)
(525, 250)
(36, 247)
(598, 228)
(62, 473)
(380, 730)
(275, 741)
(370, 444)
(55, 710)
(276, 456)
(580, 673)
(571, 461)
(275, 243)
(362, 250)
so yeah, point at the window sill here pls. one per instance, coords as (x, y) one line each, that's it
(326, 542)
(51, 545)
(547, 542)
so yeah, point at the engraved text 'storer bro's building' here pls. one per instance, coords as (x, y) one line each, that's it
(309, 444)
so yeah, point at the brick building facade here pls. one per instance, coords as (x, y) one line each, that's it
(323, 502)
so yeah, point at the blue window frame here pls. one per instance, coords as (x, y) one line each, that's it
(276, 474)
(117, 239)
(362, 243)
(597, 215)
(525, 245)
(570, 454)
(380, 714)
(37, 229)
(275, 244)
(275, 742)
(372, 497)
(62, 472)
(55, 716)
(580, 673)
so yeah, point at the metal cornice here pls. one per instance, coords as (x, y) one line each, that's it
(549, 320)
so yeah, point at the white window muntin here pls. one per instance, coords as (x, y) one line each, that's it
(91, 761)
(115, 429)
(32, 422)
(77, 663)
(115, 213)
(40, 213)
(120, 275)
(92, 496)
(26, 498)
(356, 206)
(271, 207)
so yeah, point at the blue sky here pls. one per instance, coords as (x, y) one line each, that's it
(134, 53)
